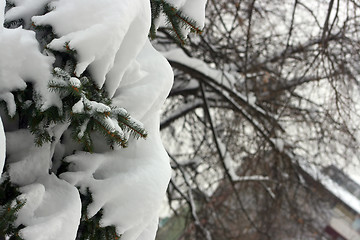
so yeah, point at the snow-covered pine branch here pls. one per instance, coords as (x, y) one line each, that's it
(107, 83)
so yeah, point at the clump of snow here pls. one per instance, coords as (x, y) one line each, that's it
(25, 9)
(52, 210)
(21, 62)
(75, 82)
(251, 98)
(78, 107)
(136, 123)
(96, 106)
(83, 129)
(114, 126)
(109, 40)
(279, 143)
(26, 161)
(120, 111)
(102, 33)
(53, 206)
(151, 91)
(8, 98)
(129, 184)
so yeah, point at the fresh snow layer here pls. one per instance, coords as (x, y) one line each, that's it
(2, 10)
(103, 33)
(177, 55)
(22, 62)
(25, 9)
(9, 99)
(129, 184)
(109, 39)
(224, 78)
(26, 161)
(52, 207)
(52, 210)
(2, 147)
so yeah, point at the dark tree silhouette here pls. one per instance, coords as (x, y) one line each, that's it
(269, 89)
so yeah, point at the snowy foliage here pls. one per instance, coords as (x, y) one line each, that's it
(2, 147)
(107, 42)
(24, 63)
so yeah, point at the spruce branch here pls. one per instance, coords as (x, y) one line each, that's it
(9, 207)
(132, 126)
(90, 110)
(176, 20)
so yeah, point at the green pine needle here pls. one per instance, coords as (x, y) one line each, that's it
(176, 20)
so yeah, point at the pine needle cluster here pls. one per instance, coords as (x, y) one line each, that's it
(85, 108)
(176, 20)
(89, 109)
(9, 207)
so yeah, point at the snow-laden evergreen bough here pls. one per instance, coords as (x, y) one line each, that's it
(79, 81)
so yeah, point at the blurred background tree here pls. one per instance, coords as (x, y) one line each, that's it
(267, 93)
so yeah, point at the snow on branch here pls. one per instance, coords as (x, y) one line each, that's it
(182, 17)
(2, 147)
(96, 58)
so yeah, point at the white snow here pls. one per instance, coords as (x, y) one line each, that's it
(194, 9)
(25, 9)
(121, 111)
(222, 77)
(96, 106)
(75, 82)
(78, 107)
(26, 162)
(279, 143)
(345, 196)
(83, 129)
(21, 62)
(2, 11)
(229, 163)
(53, 207)
(8, 98)
(178, 55)
(113, 126)
(102, 33)
(110, 41)
(129, 184)
(2, 147)
(52, 210)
